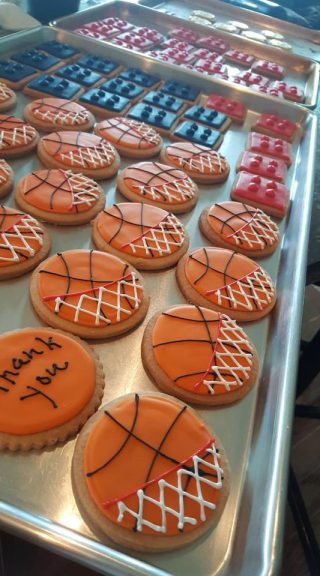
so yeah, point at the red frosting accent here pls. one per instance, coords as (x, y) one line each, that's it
(136, 40)
(262, 192)
(277, 125)
(214, 43)
(178, 56)
(262, 165)
(184, 34)
(240, 57)
(251, 78)
(174, 43)
(275, 147)
(232, 108)
(269, 68)
(210, 66)
(290, 91)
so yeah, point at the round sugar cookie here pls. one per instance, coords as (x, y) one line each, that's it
(44, 397)
(60, 196)
(89, 293)
(148, 237)
(199, 162)
(238, 226)
(199, 355)
(131, 138)
(79, 152)
(49, 114)
(8, 98)
(17, 138)
(6, 178)
(138, 481)
(23, 243)
(226, 281)
(159, 185)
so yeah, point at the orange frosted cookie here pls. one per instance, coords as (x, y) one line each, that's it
(131, 138)
(6, 178)
(17, 138)
(199, 355)
(60, 196)
(226, 281)
(44, 397)
(8, 98)
(138, 481)
(48, 114)
(147, 236)
(159, 185)
(245, 228)
(80, 152)
(23, 243)
(200, 162)
(89, 293)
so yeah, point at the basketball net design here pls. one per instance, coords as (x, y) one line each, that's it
(101, 155)
(213, 162)
(253, 291)
(139, 129)
(18, 239)
(178, 191)
(83, 190)
(162, 238)
(4, 171)
(258, 232)
(5, 92)
(61, 116)
(20, 135)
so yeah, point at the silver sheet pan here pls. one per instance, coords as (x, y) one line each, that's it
(36, 499)
(301, 71)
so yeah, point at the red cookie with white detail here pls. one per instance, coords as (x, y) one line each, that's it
(269, 195)
(268, 68)
(274, 147)
(201, 163)
(79, 152)
(213, 43)
(131, 138)
(241, 58)
(49, 114)
(17, 138)
(146, 236)
(262, 166)
(159, 185)
(273, 125)
(6, 178)
(184, 34)
(240, 227)
(227, 282)
(251, 78)
(236, 110)
(289, 91)
(8, 98)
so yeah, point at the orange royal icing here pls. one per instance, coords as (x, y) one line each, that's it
(15, 133)
(59, 112)
(128, 133)
(21, 236)
(229, 280)
(141, 230)
(79, 150)
(60, 191)
(202, 351)
(197, 159)
(5, 93)
(5, 172)
(41, 386)
(137, 451)
(243, 226)
(90, 288)
(159, 183)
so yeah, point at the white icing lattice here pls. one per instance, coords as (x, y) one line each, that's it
(182, 475)
(4, 172)
(168, 234)
(84, 190)
(142, 130)
(18, 238)
(5, 93)
(211, 161)
(178, 191)
(98, 156)
(20, 135)
(258, 232)
(252, 292)
(61, 116)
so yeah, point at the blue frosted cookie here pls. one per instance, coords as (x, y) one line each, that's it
(76, 73)
(198, 134)
(164, 121)
(104, 103)
(53, 86)
(180, 90)
(37, 59)
(59, 49)
(15, 75)
(165, 101)
(207, 116)
(102, 65)
(140, 77)
(123, 88)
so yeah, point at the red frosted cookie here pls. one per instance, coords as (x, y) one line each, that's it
(268, 68)
(184, 34)
(158, 184)
(275, 126)
(129, 137)
(201, 163)
(179, 56)
(245, 228)
(147, 236)
(17, 138)
(262, 166)
(249, 78)
(213, 43)
(236, 110)
(209, 66)
(289, 91)
(241, 58)
(6, 178)
(274, 147)
(226, 281)
(48, 114)
(269, 195)
(80, 152)
(60, 196)
(8, 98)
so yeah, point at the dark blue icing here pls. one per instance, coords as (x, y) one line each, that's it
(97, 64)
(197, 133)
(165, 101)
(58, 49)
(83, 76)
(139, 77)
(59, 87)
(15, 72)
(180, 90)
(152, 115)
(36, 58)
(122, 88)
(206, 116)
(103, 99)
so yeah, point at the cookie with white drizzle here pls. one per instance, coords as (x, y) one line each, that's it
(131, 138)
(8, 98)
(48, 114)
(199, 162)
(17, 138)
(6, 178)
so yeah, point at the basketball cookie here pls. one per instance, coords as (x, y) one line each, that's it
(8, 98)
(88, 293)
(226, 281)
(17, 138)
(159, 185)
(238, 226)
(23, 243)
(138, 481)
(44, 397)
(131, 138)
(80, 152)
(6, 178)
(48, 114)
(146, 236)
(199, 162)
(199, 355)
(60, 196)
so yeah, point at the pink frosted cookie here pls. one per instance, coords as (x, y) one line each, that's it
(262, 166)
(269, 195)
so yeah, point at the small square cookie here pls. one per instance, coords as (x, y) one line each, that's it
(52, 86)
(123, 88)
(100, 65)
(289, 91)
(165, 101)
(136, 40)
(16, 75)
(60, 50)
(162, 120)
(264, 193)
(184, 34)
(77, 73)
(241, 58)
(268, 68)
(140, 77)
(181, 90)
(179, 56)
(198, 134)
(213, 43)
(274, 147)
(208, 116)
(275, 126)
(262, 166)
(251, 78)
(104, 103)
(37, 59)
(232, 108)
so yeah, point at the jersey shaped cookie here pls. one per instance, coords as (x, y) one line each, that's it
(269, 195)
(131, 138)
(159, 185)
(48, 114)
(8, 98)
(140, 483)
(227, 282)
(80, 152)
(243, 228)
(199, 162)
(6, 178)
(146, 236)
(23, 243)
(88, 293)
(17, 138)
(199, 355)
(60, 196)
(262, 166)
(274, 147)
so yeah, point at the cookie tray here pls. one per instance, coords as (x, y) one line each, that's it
(36, 498)
(304, 41)
(302, 72)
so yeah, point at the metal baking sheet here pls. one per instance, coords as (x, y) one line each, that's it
(304, 41)
(36, 498)
(302, 72)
